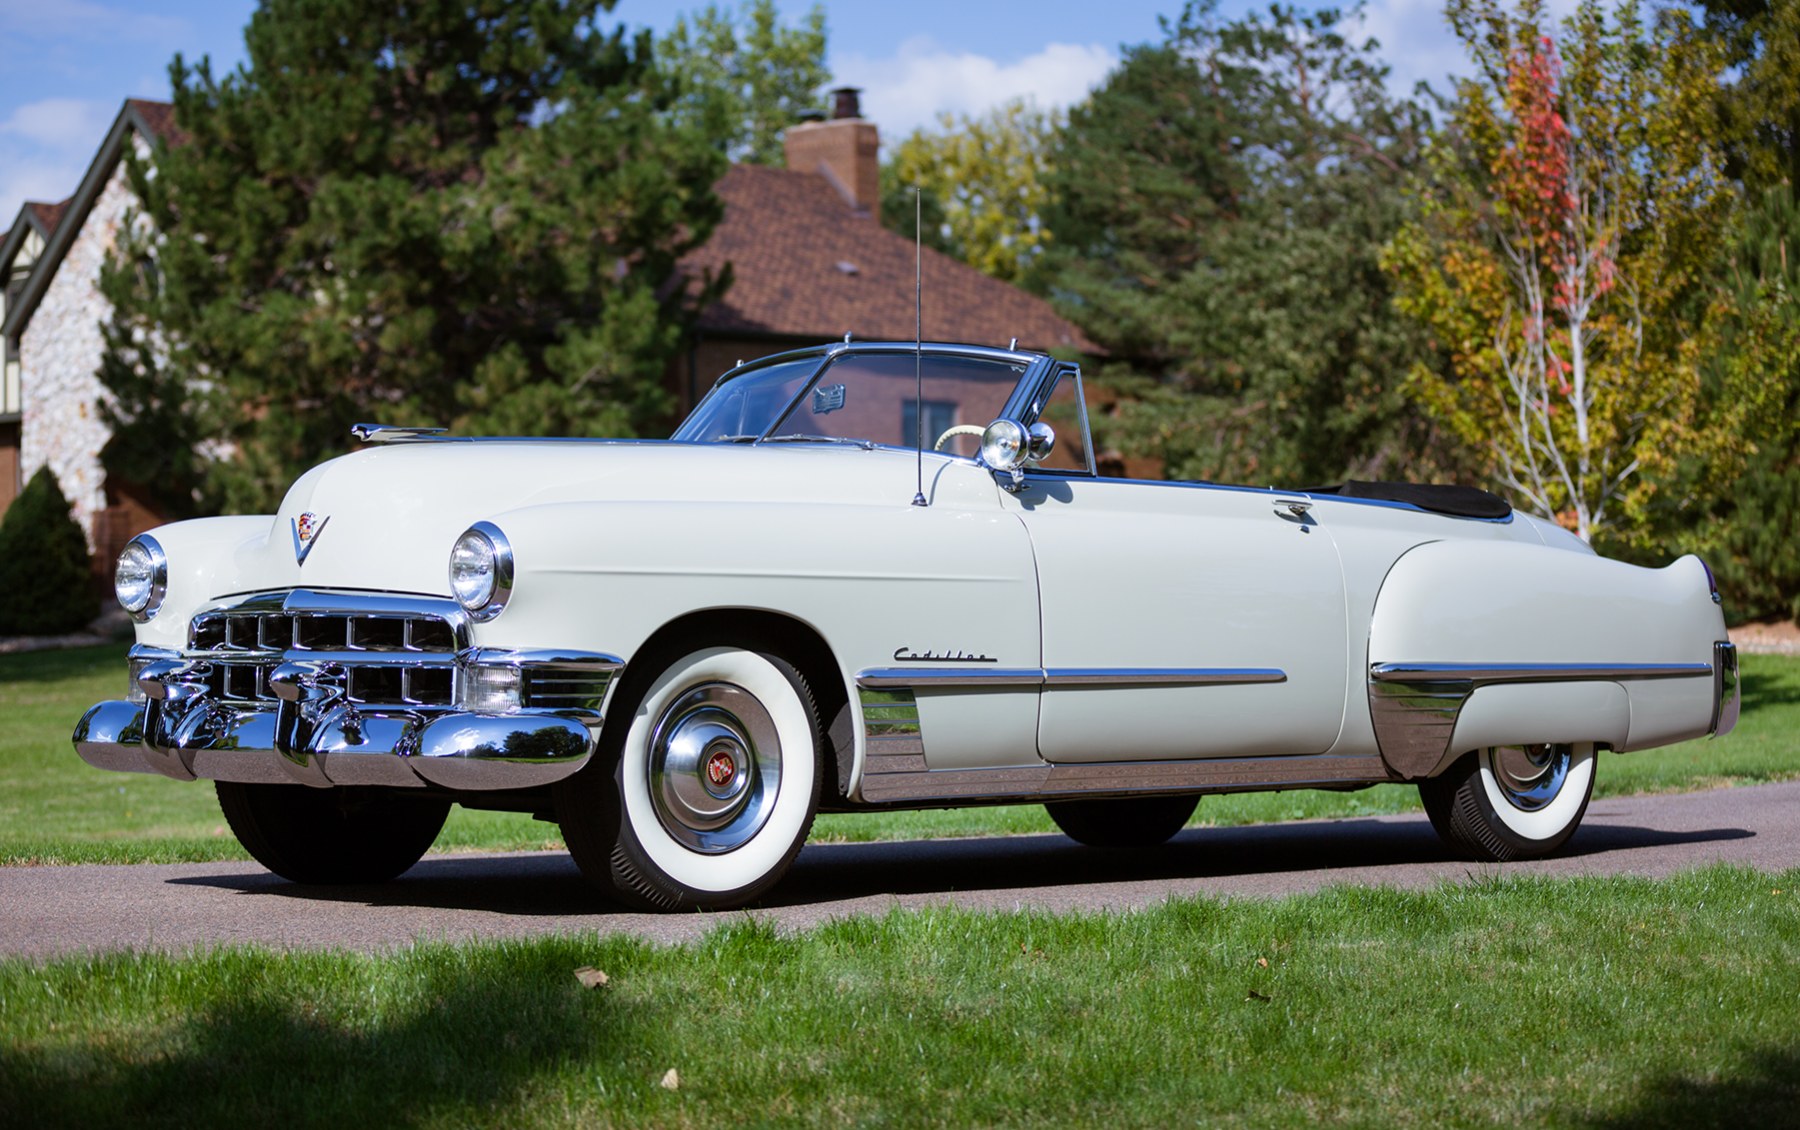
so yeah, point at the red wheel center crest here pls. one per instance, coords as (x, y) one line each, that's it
(720, 768)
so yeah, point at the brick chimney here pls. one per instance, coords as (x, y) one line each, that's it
(845, 150)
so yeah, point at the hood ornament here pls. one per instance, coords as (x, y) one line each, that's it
(307, 528)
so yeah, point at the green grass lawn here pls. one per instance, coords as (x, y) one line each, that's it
(1525, 1001)
(54, 809)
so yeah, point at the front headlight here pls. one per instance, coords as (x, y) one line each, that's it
(481, 570)
(141, 577)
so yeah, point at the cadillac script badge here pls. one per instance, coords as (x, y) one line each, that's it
(307, 529)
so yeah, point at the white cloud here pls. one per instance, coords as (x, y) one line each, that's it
(912, 87)
(61, 123)
(47, 146)
(1417, 43)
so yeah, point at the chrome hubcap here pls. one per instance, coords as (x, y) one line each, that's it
(1531, 776)
(715, 767)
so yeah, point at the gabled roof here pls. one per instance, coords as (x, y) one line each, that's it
(152, 120)
(45, 216)
(34, 216)
(807, 265)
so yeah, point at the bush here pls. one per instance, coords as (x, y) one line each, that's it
(44, 580)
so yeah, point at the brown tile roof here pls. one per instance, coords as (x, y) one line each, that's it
(48, 215)
(158, 118)
(807, 265)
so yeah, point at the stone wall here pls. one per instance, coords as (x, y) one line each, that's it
(59, 353)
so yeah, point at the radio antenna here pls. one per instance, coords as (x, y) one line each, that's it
(918, 349)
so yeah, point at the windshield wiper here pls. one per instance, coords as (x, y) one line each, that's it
(803, 437)
(735, 439)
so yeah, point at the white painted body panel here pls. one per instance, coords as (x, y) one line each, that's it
(1167, 575)
(614, 541)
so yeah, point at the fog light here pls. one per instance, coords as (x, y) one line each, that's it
(490, 690)
(135, 667)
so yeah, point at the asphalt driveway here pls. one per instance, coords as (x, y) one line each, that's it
(59, 910)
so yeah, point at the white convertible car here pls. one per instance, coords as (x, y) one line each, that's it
(863, 577)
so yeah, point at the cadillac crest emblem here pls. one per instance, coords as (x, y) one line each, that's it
(307, 529)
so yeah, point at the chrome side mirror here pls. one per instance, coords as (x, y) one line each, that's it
(1041, 442)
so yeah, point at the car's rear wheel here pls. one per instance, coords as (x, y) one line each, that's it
(1127, 823)
(330, 836)
(1511, 802)
(706, 784)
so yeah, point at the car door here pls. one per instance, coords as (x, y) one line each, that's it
(1183, 620)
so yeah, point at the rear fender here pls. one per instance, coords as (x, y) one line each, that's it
(1487, 644)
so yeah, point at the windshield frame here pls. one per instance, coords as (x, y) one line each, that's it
(1038, 367)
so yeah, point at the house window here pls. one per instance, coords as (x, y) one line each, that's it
(940, 416)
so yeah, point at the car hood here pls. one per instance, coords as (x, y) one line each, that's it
(385, 517)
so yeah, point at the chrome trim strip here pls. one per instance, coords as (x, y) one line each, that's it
(546, 658)
(950, 678)
(962, 678)
(1161, 676)
(1414, 706)
(902, 782)
(348, 658)
(1532, 672)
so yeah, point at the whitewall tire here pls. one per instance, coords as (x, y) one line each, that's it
(706, 789)
(1511, 802)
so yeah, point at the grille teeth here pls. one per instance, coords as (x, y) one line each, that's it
(264, 639)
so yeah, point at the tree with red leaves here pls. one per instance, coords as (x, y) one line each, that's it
(1574, 201)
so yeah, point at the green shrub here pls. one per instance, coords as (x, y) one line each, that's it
(45, 587)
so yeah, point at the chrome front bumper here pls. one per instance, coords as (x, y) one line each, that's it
(397, 748)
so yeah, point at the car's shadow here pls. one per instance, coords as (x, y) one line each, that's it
(542, 885)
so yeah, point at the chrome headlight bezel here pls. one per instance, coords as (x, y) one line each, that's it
(148, 577)
(481, 571)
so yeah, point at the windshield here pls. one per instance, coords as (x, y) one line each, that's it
(860, 398)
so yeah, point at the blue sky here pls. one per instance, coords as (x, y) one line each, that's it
(69, 63)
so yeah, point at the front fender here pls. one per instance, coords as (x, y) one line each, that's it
(206, 556)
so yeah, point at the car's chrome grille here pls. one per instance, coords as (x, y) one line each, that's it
(390, 656)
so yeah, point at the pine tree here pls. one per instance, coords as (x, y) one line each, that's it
(43, 564)
(463, 212)
(1218, 211)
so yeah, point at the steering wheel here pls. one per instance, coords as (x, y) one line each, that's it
(953, 432)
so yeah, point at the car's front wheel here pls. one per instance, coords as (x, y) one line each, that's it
(328, 836)
(1511, 802)
(705, 787)
(1132, 822)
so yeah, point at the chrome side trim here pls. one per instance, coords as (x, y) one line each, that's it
(899, 785)
(1414, 706)
(950, 678)
(968, 678)
(1533, 672)
(1161, 676)
(895, 770)
(557, 679)
(548, 658)
(1415, 721)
